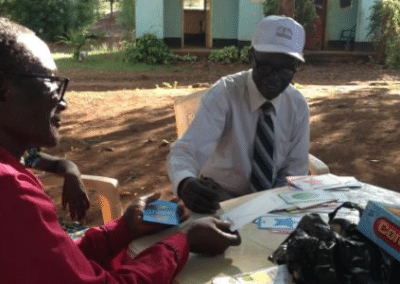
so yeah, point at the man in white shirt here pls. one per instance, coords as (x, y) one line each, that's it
(252, 128)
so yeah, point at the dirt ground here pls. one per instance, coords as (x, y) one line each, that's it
(125, 130)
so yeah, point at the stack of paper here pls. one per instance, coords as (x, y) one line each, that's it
(323, 182)
(252, 209)
(271, 275)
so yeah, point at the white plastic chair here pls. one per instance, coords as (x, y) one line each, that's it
(106, 188)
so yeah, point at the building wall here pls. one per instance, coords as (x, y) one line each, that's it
(338, 19)
(249, 15)
(225, 19)
(233, 20)
(150, 17)
(173, 16)
(364, 13)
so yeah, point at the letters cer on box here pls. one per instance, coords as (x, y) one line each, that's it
(380, 222)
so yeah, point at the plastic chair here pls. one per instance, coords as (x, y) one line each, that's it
(106, 188)
(186, 108)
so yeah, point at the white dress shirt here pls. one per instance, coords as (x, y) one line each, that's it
(219, 142)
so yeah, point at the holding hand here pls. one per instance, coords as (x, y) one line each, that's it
(200, 194)
(211, 236)
(134, 217)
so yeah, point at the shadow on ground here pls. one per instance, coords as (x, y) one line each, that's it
(357, 133)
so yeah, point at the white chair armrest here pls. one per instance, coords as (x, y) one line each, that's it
(316, 166)
(106, 188)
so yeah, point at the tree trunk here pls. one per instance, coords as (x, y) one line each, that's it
(286, 8)
(111, 6)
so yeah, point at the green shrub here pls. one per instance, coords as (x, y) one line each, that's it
(227, 54)
(76, 39)
(244, 54)
(188, 57)
(388, 10)
(147, 49)
(393, 53)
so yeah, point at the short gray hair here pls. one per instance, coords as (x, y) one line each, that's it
(13, 54)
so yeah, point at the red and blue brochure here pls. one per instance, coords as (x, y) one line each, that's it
(161, 211)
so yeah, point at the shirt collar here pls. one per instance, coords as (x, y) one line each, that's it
(256, 99)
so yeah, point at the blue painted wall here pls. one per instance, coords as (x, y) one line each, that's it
(225, 19)
(232, 19)
(338, 19)
(249, 15)
(150, 17)
(173, 17)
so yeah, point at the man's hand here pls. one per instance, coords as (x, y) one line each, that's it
(134, 217)
(200, 194)
(211, 236)
(75, 196)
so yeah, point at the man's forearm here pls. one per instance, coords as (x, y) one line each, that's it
(57, 165)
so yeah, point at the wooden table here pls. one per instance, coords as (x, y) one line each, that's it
(256, 245)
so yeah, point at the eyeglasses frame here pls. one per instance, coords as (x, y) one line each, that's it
(64, 80)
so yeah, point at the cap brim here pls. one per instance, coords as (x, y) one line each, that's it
(269, 48)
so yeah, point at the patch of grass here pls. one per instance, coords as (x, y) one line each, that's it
(101, 60)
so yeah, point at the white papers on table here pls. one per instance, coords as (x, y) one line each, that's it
(323, 182)
(253, 209)
(271, 275)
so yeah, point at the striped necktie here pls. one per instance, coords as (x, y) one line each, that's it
(262, 173)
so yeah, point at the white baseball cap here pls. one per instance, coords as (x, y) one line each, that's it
(279, 34)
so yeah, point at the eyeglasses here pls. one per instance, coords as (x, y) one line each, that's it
(284, 72)
(62, 82)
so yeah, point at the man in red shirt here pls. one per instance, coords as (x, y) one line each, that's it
(33, 246)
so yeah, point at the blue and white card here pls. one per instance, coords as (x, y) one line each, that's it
(319, 195)
(278, 222)
(161, 211)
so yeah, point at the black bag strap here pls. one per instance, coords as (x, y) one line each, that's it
(349, 205)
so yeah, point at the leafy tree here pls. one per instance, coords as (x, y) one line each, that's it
(304, 13)
(385, 29)
(51, 18)
(112, 4)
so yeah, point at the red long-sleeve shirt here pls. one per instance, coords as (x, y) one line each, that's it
(35, 249)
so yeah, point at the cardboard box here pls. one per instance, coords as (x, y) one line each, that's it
(380, 222)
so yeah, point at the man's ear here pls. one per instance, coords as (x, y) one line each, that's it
(251, 56)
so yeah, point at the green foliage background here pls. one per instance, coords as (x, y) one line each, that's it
(51, 18)
(305, 12)
(127, 15)
(389, 10)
